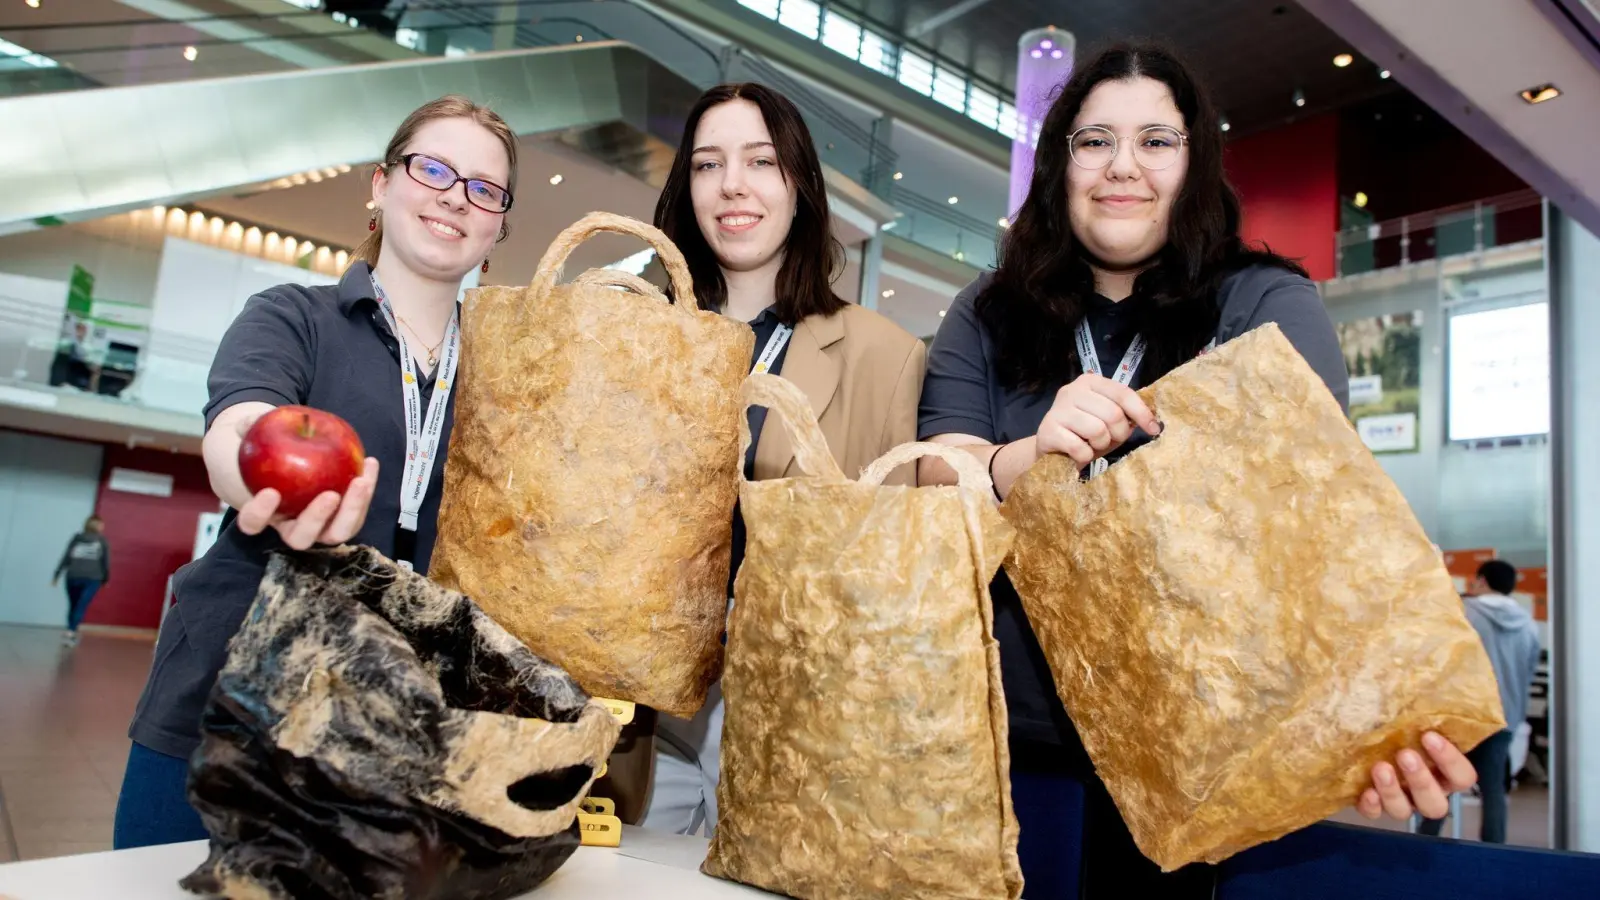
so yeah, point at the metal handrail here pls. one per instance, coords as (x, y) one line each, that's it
(1459, 212)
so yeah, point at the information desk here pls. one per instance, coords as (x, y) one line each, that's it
(648, 864)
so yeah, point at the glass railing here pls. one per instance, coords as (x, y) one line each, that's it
(1451, 231)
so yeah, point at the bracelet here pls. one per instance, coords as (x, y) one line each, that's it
(992, 486)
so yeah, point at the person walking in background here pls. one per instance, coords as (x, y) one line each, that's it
(1512, 639)
(87, 565)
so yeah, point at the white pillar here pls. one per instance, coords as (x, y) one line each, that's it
(1573, 255)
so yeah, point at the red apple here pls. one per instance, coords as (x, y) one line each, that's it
(300, 452)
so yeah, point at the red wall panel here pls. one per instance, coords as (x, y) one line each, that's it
(1288, 183)
(150, 537)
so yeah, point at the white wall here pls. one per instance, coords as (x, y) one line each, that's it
(122, 258)
(47, 489)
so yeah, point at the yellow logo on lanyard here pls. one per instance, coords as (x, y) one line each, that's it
(443, 385)
(410, 378)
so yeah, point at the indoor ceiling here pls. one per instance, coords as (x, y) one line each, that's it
(1253, 54)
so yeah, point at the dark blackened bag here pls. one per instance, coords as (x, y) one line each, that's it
(376, 735)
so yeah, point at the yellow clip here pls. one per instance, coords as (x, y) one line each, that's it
(600, 831)
(622, 709)
(599, 806)
(605, 766)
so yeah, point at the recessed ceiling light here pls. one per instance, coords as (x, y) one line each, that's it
(1343, 59)
(899, 175)
(941, 313)
(190, 53)
(889, 293)
(579, 38)
(960, 257)
(1361, 199)
(1539, 93)
(1226, 126)
(1004, 222)
(953, 201)
(34, 3)
(1299, 97)
(556, 179)
(371, 205)
(1384, 73)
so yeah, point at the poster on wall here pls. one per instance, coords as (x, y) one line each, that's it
(1384, 355)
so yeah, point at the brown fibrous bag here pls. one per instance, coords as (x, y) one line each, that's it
(593, 470)
(864, 745)
(1243, 616)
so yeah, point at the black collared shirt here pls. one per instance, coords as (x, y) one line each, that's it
(765, 326)
(326, 347)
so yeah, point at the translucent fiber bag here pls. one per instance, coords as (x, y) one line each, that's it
(1243, 616)
(593, 469)
(864, 745)
(374, 735)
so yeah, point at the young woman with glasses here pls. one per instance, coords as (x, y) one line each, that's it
(379, 349)
(1124, 262)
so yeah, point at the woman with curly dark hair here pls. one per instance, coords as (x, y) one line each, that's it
(1124, 262)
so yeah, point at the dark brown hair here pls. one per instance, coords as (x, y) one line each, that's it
(812, 257)
(1041, 286)
(453, 106)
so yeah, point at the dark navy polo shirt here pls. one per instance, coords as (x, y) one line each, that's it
(963, 394)
(326, 347)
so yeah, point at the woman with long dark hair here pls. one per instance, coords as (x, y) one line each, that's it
(746, 203)
(1124, 262)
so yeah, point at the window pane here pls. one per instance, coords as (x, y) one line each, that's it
(801, 15)
(983, 106)
(877, 53)
(950, 89)
(1008, 121)
(916, 72)
(768, 8)
(841, 35)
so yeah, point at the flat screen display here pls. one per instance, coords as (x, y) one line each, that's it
(1500, 373)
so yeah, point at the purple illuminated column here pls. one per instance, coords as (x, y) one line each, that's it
(1044, 63)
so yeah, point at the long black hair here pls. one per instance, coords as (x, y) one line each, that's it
(1042, 284)
(812, 256)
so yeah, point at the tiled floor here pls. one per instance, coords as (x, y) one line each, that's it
(63, 725)
(63, 738)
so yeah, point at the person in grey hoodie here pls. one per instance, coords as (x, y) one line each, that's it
(87, 565)
(1512, 639)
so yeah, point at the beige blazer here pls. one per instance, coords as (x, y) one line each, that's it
(863, 375)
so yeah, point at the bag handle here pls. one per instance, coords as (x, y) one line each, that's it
(556, 256)
(790, 405)
(811, 451)
(970, 474)
(624, 280)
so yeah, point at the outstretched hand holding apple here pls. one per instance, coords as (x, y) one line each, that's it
(307, 475)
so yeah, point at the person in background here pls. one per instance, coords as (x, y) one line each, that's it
(1124, 262)
(379, 349)
(87, 564)
(1512, 640)
(746, 203)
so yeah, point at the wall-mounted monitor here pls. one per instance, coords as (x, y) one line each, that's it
(1500, 373)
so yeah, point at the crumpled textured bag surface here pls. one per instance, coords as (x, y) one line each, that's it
(374, 735)
(592, 474)
(1243, 616)
(864, 748)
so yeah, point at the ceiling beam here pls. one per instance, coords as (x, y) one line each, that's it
(940, 19)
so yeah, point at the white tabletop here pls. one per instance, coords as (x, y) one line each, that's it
(648, 864)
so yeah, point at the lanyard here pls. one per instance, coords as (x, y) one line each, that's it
(422, 434)
(1123, 375)
(769, 353)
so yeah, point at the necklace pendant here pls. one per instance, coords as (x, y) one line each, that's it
(432, 360)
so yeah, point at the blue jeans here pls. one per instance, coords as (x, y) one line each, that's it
(80, 591)
(154, 805)
(1492, 759)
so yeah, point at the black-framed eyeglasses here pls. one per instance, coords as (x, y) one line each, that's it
(430, 172)
(1154, 148)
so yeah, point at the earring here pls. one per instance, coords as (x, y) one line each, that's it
(485, 265)
(372, 223)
